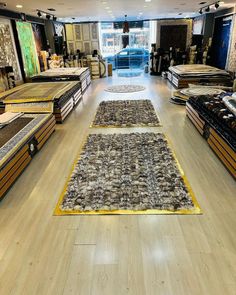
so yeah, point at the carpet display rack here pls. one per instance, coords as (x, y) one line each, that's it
(66, 74)
(20, 140)
(217, 125)
(182, 75)
(58, 98)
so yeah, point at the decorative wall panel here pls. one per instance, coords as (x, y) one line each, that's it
(28, 48)
(84, 37)
(39, 37)
(69, 32)
(231, 61)
(86, 32)
(177, 22)
(94, 31)
(77, 33)
(8, 56)
(59, 30)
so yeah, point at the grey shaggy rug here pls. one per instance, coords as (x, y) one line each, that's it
(125, 88)
(134, 171)
(126, 113)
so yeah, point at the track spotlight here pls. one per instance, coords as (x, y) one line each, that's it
(200, 11)
(207, 9)
(48, 16)
(217, 5)
(39, 14)
(54, 18)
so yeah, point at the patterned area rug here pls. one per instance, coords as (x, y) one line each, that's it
(126, 113)
(127, 174)
(125, 88)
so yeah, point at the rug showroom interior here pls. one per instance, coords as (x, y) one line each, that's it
(118, 147)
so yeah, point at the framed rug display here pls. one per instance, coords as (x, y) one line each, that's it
(94, 45)
(8, 55)
(77, 33)
(79, 45)
(71, 47)
(87, 47)
(86, 32)
(3, 80)
(39, 37)
(28, 48)
(69, 32)
(94, 31)
(59, 30)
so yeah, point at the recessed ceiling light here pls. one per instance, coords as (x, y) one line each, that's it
(107, 7)
(19, 6)
(148, 0)
(140, 13)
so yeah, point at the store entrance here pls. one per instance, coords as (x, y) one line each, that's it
(127, 52)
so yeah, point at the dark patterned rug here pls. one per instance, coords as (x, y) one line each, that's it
(126, 113)
(127, 174)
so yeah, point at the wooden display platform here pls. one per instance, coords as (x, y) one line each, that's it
(15, 164)
(62, 113)
(180, 82)
(195, 118)
(221, 148)
(223, 151)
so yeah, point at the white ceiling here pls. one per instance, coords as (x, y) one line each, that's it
(110, 10)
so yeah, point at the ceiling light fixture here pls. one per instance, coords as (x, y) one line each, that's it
(125, 25)
(19, 6)
(208, 7)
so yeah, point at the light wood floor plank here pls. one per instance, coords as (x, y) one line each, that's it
(135, 255)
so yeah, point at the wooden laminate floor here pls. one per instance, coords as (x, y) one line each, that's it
(115, 255)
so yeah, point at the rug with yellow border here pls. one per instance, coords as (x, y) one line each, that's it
(134, 173)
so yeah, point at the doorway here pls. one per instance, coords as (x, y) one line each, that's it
(127, 52)
(220, 43)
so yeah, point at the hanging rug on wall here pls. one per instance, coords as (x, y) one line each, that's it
(125, 88)
(133, 173)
